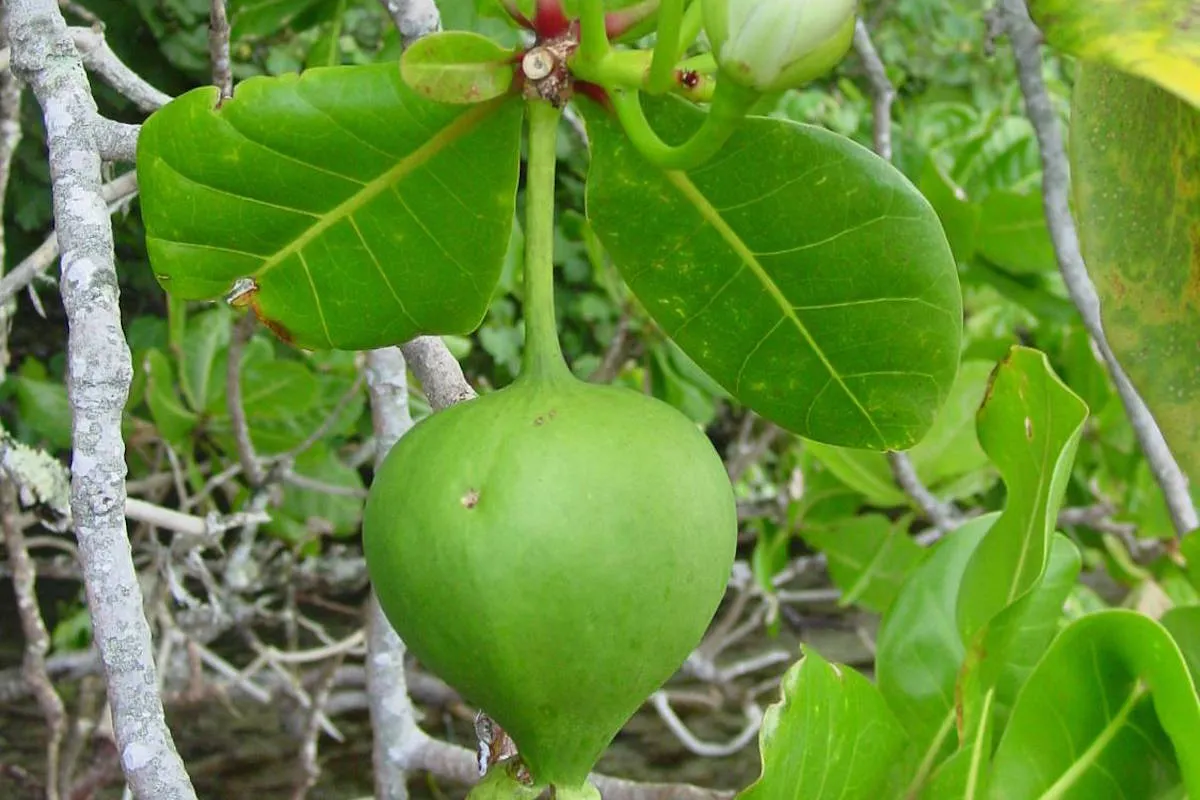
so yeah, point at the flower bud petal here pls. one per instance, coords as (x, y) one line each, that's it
(769, 45)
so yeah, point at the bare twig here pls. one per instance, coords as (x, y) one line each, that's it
(413, 18)
(943, 515)
(99, 58)
(754, 717)
(218, 49)
(115, 194)
(10, 136)
(881, 89)
(309, 769)
(37, 640)
(243, 329)
(99, 374)
(1056, 181)
(393, 719)
(117, 141)
(440, 374)
(187, 524)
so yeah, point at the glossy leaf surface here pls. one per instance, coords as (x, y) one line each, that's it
(360, 213)
(458, 67)
(870, 557)
(786, 268)
(1156, 39)
(1110, 712)
(919, 650)
(1135, 162)
(948, 460)
(831, 737)
(1029, 425)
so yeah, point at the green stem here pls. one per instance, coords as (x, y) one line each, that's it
(729, 107)
(593, 34)
(543, 356)
(693, 21)
(630, 69)
(666, 49)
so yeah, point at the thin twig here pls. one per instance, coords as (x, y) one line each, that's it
(218, 49)
(115, 193)
(309, 769)
(37, 640)
(881, 89)
(754, 717)
(393, 718)
(99, 372)
(117, 141)
(11, 91)
(413, 18)
(944, 516)
(99, 58)
(243, 329)
(440, 374)
(1056, 181)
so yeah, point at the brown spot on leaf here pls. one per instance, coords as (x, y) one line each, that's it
(275, 326)
(470, 499)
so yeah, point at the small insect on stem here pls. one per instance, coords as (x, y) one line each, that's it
(689, 78)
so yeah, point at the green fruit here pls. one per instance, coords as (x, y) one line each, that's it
(554, 551)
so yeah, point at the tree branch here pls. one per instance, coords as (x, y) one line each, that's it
(413, 18)
(881, 89)
(218, 49)
(99, 58)
(99, 373)
(37, 640)
(1056, 181)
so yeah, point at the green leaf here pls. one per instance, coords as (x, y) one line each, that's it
(1029, 425)
(919, 650)
(784, 268)
(1155, 39)
(174, 420)
(1000, 659)
(947, 454)
(1110, 712)
(327, 51)
(458, 67)
(959, 216)
(870, 557)
(43, 409)
(1135, 160)
(866, 472)
(1013, 234)
(265, 17)
(831, 737)
(351, 212)
(1184, 625)
(304, 513)
(207, 336)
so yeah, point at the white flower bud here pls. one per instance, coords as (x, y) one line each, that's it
(769, 45)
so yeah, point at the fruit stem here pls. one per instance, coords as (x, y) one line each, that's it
(543, 356)
(729, 106)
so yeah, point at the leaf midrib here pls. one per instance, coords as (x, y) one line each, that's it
(461, 126)
(709, 212)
